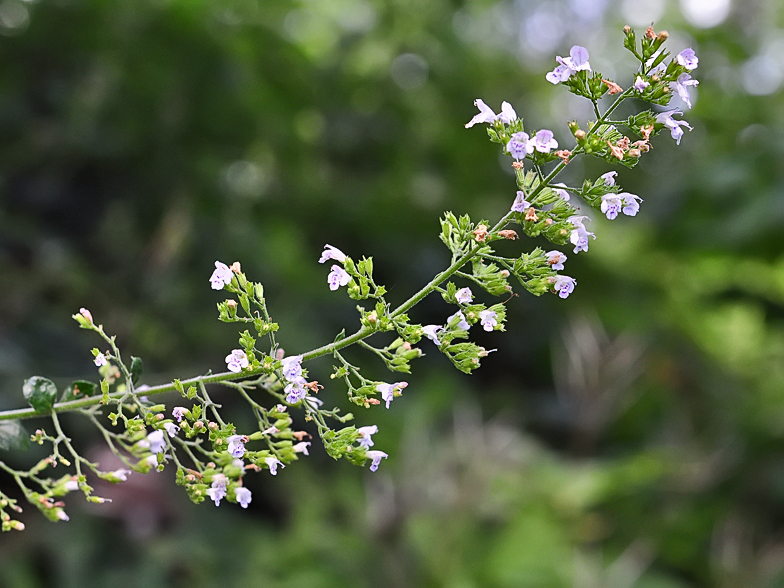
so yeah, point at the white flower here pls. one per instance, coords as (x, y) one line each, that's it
(236, 445)
(609, 178)
(577, 61)
(520, 203)
(154, 442)
(688, 59)
(564, 285)
(489, 320)
(121, 475)
(676, 132)
(331, 252)
(555, 259)
(71, 485)
(313, 402)
(388, 390)
(640, 84)
(291, 367)
(217, 490)
(462, 323)
(376, 456)
(543, 141)
(237, 360)
(171, 429)
(272, 464)
(301, 447)
(520, 145)
(682, 86)
(178, 412)
(100, 360)
(243, 496)
(221, 277)
(611, 205)
(337, 277)
(631, 206)
(62, 516)
(580, 234)
(464, 296)
(431, 332)
(486, 115)
(563, 194)
(365, 434)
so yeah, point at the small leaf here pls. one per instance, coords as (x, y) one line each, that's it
(40, 393)
(13, 436)
(79, 389)
(136, 369)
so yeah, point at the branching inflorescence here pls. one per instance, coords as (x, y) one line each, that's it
(211, 456)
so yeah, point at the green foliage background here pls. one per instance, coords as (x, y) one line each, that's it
(631, 436)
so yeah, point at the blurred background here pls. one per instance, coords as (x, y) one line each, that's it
(631, 436)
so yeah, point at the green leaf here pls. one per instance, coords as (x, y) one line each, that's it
(13, 436)
(136, 369)
(79, 389)
(40, 393)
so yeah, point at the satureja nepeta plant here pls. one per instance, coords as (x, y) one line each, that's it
(211, 456)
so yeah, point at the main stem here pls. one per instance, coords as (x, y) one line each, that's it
(362, 333)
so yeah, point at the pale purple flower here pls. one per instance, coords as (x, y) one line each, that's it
(242, 495)
(388, 390)
(507, 114)
(462, 323)
(178, 412)
(365, 436)
(301, 447)
(611, 205)
(292, 367)
(520, 203)
(171, 429)
(431, 332)
(100, 360)
(464, 296)
(559, 190)
(236, 446)
(337, 277)
(331, 252)
(313, 402)
(555, 259)
(64, 517)
(688, 59)
(580, 234)
(543, 141)
(577, 61)
(564, 285)
(659, 68)
(217, 490)
(631, 206)
(221, 277)
(376, 456)
(609, 178)
(489, 319)
(273, 463)
(640, 84)
(682, 86)
(154, 442)
(520, 145)
(295, 391)
(486, 115)
(237, 360)
(71, 485)
(676, 131)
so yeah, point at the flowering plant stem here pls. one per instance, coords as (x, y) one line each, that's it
(330, 348)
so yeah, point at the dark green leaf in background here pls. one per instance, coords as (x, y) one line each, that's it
(40, 393)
